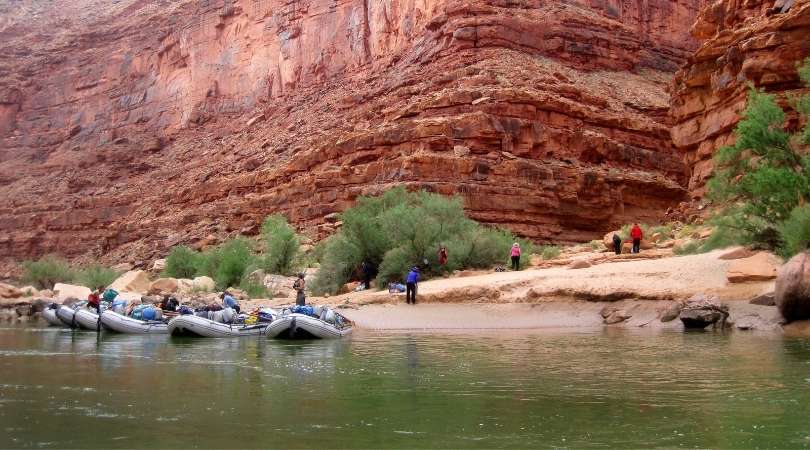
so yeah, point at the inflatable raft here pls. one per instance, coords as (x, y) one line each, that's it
(316, 323)
(86, 318)
(120, 323)
(49, 314)
(191, 325)
(65, 313)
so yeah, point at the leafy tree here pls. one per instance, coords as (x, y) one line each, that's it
(399, 229)
(764, 176)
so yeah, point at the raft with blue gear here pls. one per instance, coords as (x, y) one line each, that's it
(309, 322)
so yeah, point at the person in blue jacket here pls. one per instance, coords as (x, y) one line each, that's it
(229, 302)
(410, 285)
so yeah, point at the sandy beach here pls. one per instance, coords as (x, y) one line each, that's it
(560, 297)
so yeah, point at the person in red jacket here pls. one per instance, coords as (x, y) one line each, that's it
(636, 235)
(94, 300)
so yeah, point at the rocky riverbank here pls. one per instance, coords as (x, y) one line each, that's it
(582, 289)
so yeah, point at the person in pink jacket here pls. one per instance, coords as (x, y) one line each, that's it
(515, 256)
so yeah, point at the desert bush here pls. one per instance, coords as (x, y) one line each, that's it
(230, 261)
(340, 260)
(182, 262)
(96, 276)
(282, 245)
(399, 229)
(549, 251)
(795, 232)
(689, 248)
(47, 271)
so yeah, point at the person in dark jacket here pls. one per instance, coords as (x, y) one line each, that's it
(410, 285)
(617, 243)
(636, 235)
(368, 273)
(300, 286)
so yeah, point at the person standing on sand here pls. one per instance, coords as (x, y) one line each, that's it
(300, 286)
(515, 256)
(636, 234)
(410, 285)
(442, 255)
(365, 267)
(617, 243)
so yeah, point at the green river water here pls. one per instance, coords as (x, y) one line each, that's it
(550, 389)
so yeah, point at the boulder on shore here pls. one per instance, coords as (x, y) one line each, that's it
(737, 253)
(159, 265)
(132, 281)
(672, 312)
(163, 286)
(203, 283)
(64, 291)
(579, 264)
(701, 311)
(760, 267)
(793, 288)
(9, 291)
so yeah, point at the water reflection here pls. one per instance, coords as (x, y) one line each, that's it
(594, 388)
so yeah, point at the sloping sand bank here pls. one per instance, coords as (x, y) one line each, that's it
(562, 297)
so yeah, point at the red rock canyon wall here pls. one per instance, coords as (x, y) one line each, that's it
(127, 128)
(751, 42)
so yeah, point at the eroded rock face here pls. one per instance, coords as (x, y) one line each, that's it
(756, 41)
(190, 121)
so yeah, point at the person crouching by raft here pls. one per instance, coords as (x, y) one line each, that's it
(229, 302)
(300, 286)
(515, 256)
(617, 243)
(94, 300)
(411, 282)
(636, 235)
(169, 303)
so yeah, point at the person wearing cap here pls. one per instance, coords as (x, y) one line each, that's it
(228, 301)
(410, 285)
(299, 286)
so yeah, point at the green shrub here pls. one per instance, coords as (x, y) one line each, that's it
(96, 276)
(281, 245)
(596, 244)
(48, 271)
(340, 260)
(765, 175)
(690, 248)
(396, 264)
(665, 230)
(229, 262)
(549, 251)
(182, 262)
(795, 231)
(399, 229)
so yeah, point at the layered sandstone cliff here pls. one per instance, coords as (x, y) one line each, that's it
(127, 128)
(745, 43)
